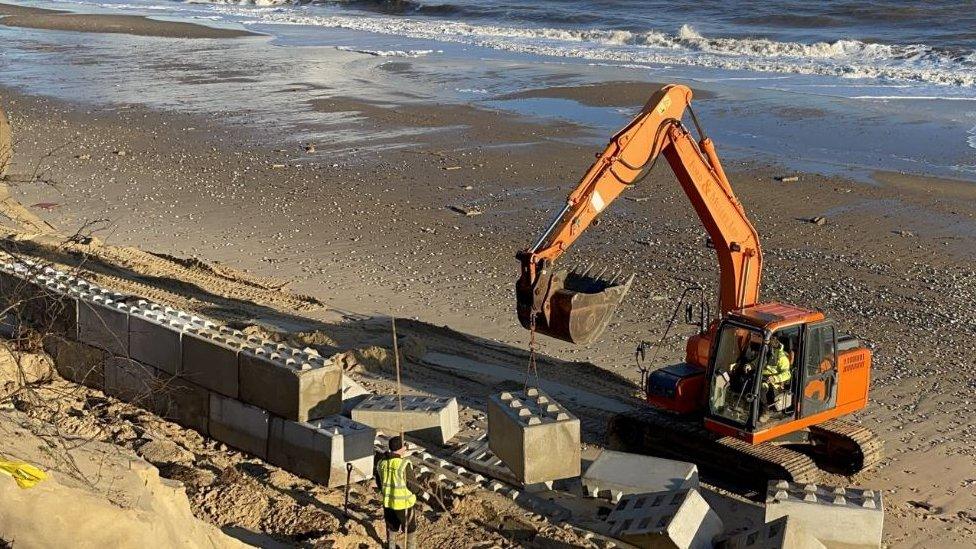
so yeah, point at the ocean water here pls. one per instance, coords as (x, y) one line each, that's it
(872, 69)
(905, 44)
(894, 41)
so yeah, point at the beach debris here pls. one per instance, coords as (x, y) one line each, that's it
(468, 211)
(904, 233)
(83, 156)
(120, 152)
(467, 187)
(45, 205)
(787, 178)
(638, 198)
(819, 220)
(277, 166)
(451, 168)
(310, 147)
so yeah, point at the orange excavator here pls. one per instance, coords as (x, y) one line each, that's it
(763, 384)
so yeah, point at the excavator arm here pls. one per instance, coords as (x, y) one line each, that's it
(578, 306)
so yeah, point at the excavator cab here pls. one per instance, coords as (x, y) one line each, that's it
(777, 368)
(738, 391)
(571, 305)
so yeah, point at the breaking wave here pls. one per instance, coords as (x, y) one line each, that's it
(841, 58)
(388, 53)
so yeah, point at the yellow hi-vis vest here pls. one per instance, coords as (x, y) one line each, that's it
(777, 368)
(393, 479)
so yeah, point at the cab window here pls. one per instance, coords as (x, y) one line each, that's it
(734, 384)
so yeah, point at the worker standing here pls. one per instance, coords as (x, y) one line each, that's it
(393, 472)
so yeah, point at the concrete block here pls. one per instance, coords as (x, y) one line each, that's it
(167, 396)
(240, 425)
(434, 419)
(477, 456)
(39, 302)
(616, 474)
(290, 383)
(76, 361)
(131, 381)
(104, 323)
(319, 450)
(182, 402)
(211, 361)
(782, 533)
(855, 515)
(679, 519)
(352, 394)
(60, 313)
(155, 340)
(534, 436)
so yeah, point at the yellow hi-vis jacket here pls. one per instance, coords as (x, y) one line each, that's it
(393, 481)
(777, 368)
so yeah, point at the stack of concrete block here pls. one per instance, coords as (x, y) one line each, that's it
(855, 515)
(782, 533)
(615, 474)
(680, 519)
(534, 436)
(211, 378)
(321, 449)
(434, 419)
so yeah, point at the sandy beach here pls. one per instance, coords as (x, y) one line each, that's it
(379, 228)
(39, 18)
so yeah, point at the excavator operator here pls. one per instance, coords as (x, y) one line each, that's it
(776, 373)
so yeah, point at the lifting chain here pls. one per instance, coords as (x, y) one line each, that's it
(532, 367)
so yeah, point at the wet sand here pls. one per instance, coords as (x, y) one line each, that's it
(373, 231)
(37, 18)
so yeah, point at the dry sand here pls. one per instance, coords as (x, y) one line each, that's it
(37, 18)
(113, 498)
(375, 233)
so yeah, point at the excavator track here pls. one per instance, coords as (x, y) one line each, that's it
(844, 447)
(652, 432)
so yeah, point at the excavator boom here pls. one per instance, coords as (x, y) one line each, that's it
(578, 306)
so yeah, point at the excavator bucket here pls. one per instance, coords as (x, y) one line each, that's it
(574, 306)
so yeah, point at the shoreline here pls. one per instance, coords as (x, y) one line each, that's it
(275, 81)
(13, 15)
